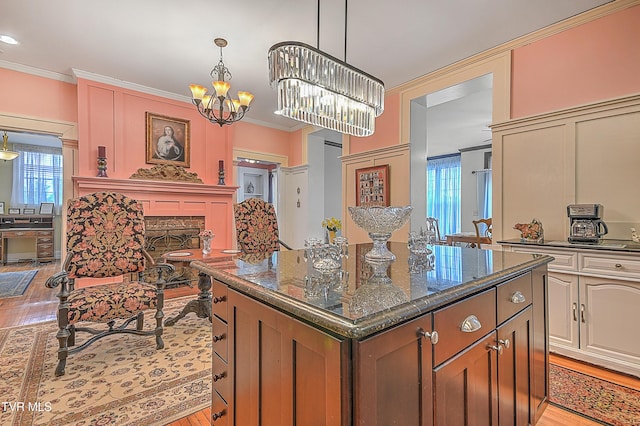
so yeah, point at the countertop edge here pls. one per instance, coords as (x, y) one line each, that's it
(372, 324)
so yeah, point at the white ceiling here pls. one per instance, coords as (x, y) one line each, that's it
(168, 44)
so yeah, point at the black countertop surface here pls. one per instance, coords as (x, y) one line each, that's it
(604, 244)
(358, 305)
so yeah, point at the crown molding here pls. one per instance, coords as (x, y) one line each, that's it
(37, 72)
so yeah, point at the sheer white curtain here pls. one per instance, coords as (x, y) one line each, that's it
(443, 192)
(483, 181)
(37, 177)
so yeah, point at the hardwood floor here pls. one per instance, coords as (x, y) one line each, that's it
(39, 303)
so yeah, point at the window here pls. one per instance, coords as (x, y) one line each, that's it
(443, 192)
(37, 176)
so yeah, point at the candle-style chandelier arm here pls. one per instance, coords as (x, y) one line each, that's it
(218, 107)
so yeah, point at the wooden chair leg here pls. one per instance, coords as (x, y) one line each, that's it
(63, 350)
(140, 321)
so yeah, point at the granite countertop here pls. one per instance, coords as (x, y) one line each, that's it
(604, 244)
(354, 305)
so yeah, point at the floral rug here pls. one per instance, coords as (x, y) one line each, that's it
(15, 283)
(599, 400)
(121, 379)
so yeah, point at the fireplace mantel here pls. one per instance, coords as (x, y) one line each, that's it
(86, 184)
(173, 198)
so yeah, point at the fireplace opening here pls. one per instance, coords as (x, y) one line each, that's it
(164, 234)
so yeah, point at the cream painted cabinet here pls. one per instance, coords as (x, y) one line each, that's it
(608, 318)
(563, 309)
(594, 297)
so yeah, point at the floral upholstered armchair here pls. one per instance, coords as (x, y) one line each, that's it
(105, 239)
(257, 226)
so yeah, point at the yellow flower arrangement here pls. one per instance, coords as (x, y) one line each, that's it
(332, 224)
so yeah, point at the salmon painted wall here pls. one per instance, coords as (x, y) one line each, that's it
(595, 61)
(252, 137)
(34, 96)
(115, 118)
(387, 131)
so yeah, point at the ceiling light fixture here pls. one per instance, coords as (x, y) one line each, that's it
(8, 39)
(218, 107)
(319, 89)
(5, 154)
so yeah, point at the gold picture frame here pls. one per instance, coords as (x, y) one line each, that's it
(168, 140)
(372, 186)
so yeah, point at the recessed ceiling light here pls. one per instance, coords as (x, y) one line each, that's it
(8, 39)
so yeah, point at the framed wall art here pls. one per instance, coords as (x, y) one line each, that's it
(28, 211)
(168, 140)
(372, 186)
(14, 211)
(1, 207)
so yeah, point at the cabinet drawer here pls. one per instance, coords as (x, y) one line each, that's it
(513, 296)
(563, 261)
(18, 234)
(618, 266)
(220, 373)
(220, 338)
(219, 300)
(219, 411)
(476, 316)
(45, 234)
(45, 240)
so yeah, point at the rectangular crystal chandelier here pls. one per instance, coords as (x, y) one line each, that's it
(318, 89)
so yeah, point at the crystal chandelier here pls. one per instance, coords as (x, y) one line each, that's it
(319, 89)
(5, 154)
(218, 107)
(316, 88)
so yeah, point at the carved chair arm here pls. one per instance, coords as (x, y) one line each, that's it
(56, 279)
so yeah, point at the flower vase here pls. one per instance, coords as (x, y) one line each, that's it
(206, 245)
(332, 236)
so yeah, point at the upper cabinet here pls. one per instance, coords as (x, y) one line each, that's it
(587, 154)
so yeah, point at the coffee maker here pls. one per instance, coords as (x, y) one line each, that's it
(586, 223)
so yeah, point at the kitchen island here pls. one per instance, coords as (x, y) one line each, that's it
(440, 338)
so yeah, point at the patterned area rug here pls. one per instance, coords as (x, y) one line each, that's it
(120, 379)
(597, 399)
(15, 283)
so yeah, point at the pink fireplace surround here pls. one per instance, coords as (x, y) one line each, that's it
(169, 198)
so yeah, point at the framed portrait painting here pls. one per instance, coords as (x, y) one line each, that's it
(168, 140)
(372, 186)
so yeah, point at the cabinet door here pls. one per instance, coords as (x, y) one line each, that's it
(283, 372)
(393, 376)
(609, 319)
(514, 368)
(465, 387)
(563, 309)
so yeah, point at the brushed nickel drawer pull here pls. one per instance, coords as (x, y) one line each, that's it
(470, 324)
(506, 343)
(574, 308)
(582, 308)
(498, 348)
(432, 337)
(518, 297)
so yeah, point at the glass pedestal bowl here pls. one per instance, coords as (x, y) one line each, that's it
(380, 223)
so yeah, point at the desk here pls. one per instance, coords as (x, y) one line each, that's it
(202, 305)
(467, 238)
(39, 228)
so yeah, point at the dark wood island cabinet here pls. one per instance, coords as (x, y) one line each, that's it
(460, 340)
